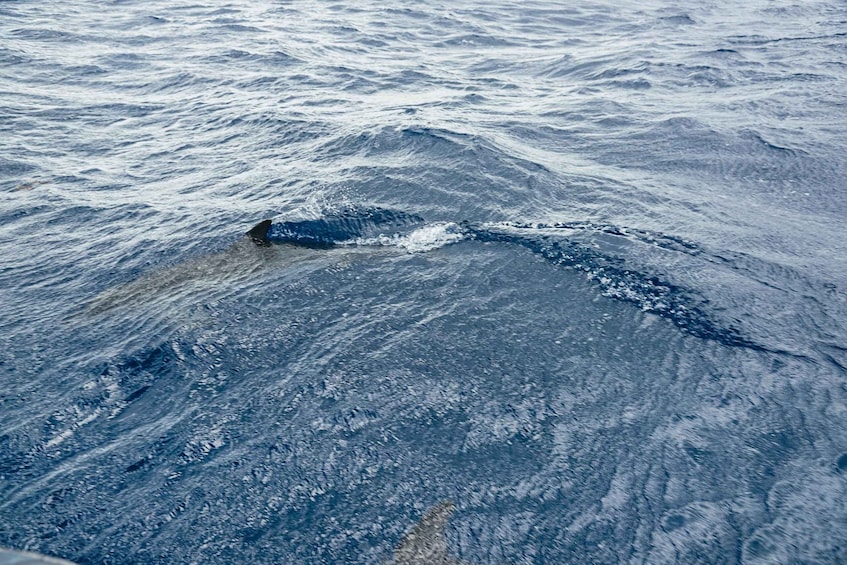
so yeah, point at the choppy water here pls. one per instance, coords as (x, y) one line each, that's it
(579, 268)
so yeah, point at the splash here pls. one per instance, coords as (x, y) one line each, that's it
(426, 238)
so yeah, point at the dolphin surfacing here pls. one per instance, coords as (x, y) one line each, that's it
(425, 543)
(266, 243)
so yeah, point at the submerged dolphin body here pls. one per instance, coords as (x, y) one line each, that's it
(208, 276)
(210, 273)
(293, 243)
(425, 543)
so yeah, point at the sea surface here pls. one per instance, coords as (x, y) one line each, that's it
(573, 274)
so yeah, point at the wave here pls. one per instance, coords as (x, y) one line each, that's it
(617, 279)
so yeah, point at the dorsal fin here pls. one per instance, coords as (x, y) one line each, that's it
(259, 233)
(425, 543)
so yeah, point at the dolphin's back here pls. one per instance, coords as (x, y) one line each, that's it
(340, 227)
(425, 543)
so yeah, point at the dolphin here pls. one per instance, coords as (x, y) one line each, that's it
(425, 543)
(237, 263)
(367, 231)
(266, 243)
(209, 275)
(31, 184)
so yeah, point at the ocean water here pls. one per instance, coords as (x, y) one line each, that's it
(578, 268)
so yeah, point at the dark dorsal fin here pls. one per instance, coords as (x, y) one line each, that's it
(259, 233)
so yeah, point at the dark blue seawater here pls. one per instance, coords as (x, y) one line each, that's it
(579, 268)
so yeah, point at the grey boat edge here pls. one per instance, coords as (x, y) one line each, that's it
(12, 557)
